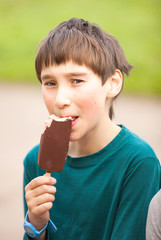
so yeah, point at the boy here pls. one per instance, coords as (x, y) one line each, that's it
(110, 174)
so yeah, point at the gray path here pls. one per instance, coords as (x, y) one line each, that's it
(22, 114)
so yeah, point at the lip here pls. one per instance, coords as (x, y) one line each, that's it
(74, 121)
(73, 118)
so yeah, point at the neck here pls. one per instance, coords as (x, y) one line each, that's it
(95, 142)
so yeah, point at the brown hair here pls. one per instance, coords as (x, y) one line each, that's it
(82, 43)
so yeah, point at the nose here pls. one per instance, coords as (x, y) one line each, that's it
(62, 98)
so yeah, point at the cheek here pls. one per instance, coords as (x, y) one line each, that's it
(48, 100)
(91, 106)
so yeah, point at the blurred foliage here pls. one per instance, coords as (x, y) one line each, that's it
(136, 24)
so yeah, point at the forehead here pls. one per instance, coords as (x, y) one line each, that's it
(67, 69)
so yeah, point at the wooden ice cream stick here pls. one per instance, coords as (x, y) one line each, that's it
(48, 174)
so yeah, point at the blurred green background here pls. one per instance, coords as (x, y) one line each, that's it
(136, 24)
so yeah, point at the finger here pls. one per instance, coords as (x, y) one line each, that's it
(42, 180)
(44, 189)
(41, 209)
(40, 190)
(40, 200)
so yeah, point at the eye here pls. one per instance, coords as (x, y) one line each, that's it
(77, 81)
(50, 84)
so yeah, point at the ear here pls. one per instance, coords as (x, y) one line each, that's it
(114, 84)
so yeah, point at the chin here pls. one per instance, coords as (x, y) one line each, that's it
(74, 137)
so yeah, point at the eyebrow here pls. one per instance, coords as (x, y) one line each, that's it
(76, 74)
(46, 76)
(72, 74)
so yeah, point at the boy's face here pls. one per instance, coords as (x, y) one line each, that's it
(73, 90)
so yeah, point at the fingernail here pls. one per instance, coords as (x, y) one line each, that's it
(53, 180)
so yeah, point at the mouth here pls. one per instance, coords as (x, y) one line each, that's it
(74, 120)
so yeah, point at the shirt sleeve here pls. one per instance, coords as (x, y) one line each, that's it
(26, 237)
(140, 184)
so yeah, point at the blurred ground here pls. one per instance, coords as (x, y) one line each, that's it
(21, 121)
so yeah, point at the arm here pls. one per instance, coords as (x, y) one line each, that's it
(38, 197)
(140, 184)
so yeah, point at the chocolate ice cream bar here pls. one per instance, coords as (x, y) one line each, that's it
(54, 144)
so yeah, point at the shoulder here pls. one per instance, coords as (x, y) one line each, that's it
(31, 157)
(155, 203)
(154, 211)
(154, 218)
(31, 167)
(138, 155)
(137, 145)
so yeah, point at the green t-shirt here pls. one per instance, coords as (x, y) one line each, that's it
(103, 196)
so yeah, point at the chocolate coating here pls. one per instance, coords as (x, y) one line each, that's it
(54, 145)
